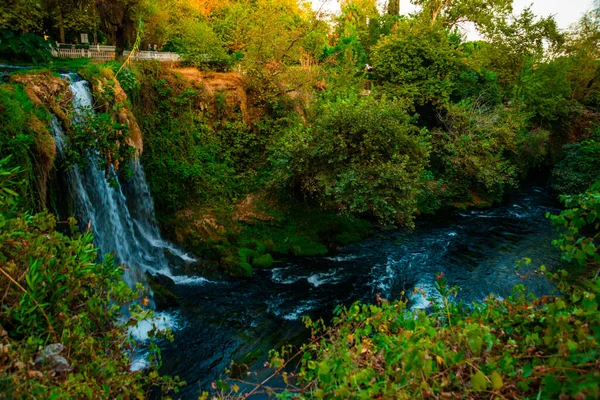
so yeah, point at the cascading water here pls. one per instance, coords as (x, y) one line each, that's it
(122, 218)
(121, 225)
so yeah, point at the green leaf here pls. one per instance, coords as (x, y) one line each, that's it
(496, 379)
(478, 382)
(527, 370)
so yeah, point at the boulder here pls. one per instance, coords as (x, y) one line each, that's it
(50, 358)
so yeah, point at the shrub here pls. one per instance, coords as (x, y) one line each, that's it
(54, 292)
(24, 47)
(480, 149)
(579, 227)
(513, 348)
(579, 167)
(358, 156)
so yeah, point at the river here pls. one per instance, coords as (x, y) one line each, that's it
(220, 321)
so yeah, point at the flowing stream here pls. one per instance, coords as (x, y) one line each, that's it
(220, 321)
(241, 320)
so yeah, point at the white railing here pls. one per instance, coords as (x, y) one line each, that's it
(153, 55)
(105, 53)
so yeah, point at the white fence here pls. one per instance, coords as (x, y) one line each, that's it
(107, 53)
(99, 52)
(153, 55)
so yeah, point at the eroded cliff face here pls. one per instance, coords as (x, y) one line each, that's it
(52, 92)
(224, 93)
(112, 99)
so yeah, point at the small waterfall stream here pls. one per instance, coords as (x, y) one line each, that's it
(122, 215)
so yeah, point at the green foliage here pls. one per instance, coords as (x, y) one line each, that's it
(545, 88)
(482, 149)
(358, 156)
(183, 157)
(200, 46)
(579, 167)
(56, 292)
(579, 227)
(517, 40)
(24, 136)
(97, 133)
(417, 62)
(513, 348)
(24, 47)
(21, 15)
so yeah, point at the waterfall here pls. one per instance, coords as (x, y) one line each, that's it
(121, 216)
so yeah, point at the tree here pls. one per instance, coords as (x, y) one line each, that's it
(21, 15)
(518, 39)
(120, 19)
(358, 156)
(393, 7)
(417, 62)
(451, 13)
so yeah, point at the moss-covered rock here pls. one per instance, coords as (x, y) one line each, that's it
(247, 255)
(264, 261)
(235, 267)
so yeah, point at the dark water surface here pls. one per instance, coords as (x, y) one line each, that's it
(221, 321)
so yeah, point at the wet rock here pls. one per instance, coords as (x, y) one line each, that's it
(162, 286)
(264, 261)
(50, 358)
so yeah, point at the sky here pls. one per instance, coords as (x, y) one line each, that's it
(566, 12)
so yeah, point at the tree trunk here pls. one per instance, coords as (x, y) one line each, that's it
(394, 7)
(61, 26)
(120, 40)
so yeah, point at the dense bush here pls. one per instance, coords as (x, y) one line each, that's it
(358, 156)
(483, 150)
(579, 227)
(24, 47)
(513, 348)
(417, 62)
(579, 167)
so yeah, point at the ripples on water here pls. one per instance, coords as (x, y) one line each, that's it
(476, 250)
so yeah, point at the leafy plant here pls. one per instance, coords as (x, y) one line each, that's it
(579, 228)
(27, 47)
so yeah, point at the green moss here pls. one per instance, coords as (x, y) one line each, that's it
(258, 247)
(245, 270)
(247, 255)
(348, 237)
(264, 261)
(19, 138)
(236, 267)
(306, 231)
(163, 297)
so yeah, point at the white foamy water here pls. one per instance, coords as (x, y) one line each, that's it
(342, 258)
(161, 321)
(284, 276)
(424, 290)
(190, 280)
(324, 278)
